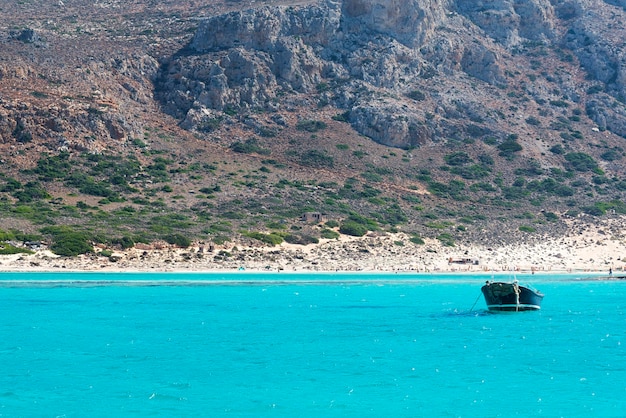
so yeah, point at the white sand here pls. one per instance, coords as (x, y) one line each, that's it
(586, 248)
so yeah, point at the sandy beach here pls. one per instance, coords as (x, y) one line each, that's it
(585, 248)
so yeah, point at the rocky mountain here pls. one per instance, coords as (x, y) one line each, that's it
(402, 70)
(223, 120)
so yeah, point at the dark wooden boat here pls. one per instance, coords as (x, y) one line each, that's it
(510, 296)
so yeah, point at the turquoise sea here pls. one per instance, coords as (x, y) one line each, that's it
(295, 345)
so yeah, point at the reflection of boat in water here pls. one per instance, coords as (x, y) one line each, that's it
(503, 296)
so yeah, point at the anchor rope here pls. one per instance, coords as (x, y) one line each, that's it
(476, 301)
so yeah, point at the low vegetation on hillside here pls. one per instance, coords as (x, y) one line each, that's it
(134, 137)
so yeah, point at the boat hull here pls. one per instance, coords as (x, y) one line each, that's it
(511, 297)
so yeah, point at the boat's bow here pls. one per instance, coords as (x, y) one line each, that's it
(504, 296)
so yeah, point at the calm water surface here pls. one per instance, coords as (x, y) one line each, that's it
(279, 345)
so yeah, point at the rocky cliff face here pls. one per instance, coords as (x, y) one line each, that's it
(62, 103)
(596, 36)
(406, 72)
(512, 23)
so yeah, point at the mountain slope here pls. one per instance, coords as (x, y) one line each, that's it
(459, 120)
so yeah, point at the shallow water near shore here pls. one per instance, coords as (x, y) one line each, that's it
(276, 344)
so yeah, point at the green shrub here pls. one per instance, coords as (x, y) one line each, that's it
(266, 132)
(593, 210)
(457, 158)
(272, 238)
(531, 120)
(508, 148)
(611, 155)
(209, 124)
(416, 95)
(309, 125)
(210, 190)
(372, 177)
(276, 225)
(353, 228)
(476, 131)
(357, 225)
(369, 192)
(11, 185)
(557, 149)
(322, 87)
(53, 167)
(552, 187)
(579, 161)
(514, 193)
(411, 198)
(482, 186)
(71, 244)
(533, 168)
(551, 216)
(301, 239)
(158, 170)
(32, 191)
(342, 117)
(597, 88)
(393, 215)
(222, 256)
(125, 242)
(453, 189)
(220, 239)
(438, 225)
(318, 159)
(559, 103)
(472, 172)
(329, 234)
(417, 240)
(486, 160)
(250, 146)
(331, 223)
(6, 236)
(179, 240)
(8, 249)
(598, 180)
(446, 239)
(600, 208)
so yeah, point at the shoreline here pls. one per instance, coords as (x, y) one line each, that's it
(93, 279)
(586, 249)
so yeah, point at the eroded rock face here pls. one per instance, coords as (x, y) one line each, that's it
(512, 22)
(600, 49)
(371, 55)
(410, 22)
(607, 116)
(482, 63)
(261, 29)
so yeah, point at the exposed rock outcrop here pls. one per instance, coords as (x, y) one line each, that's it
(600, 49)
(368, 56)
(87, 119)
(512, 22)
(247, 60)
